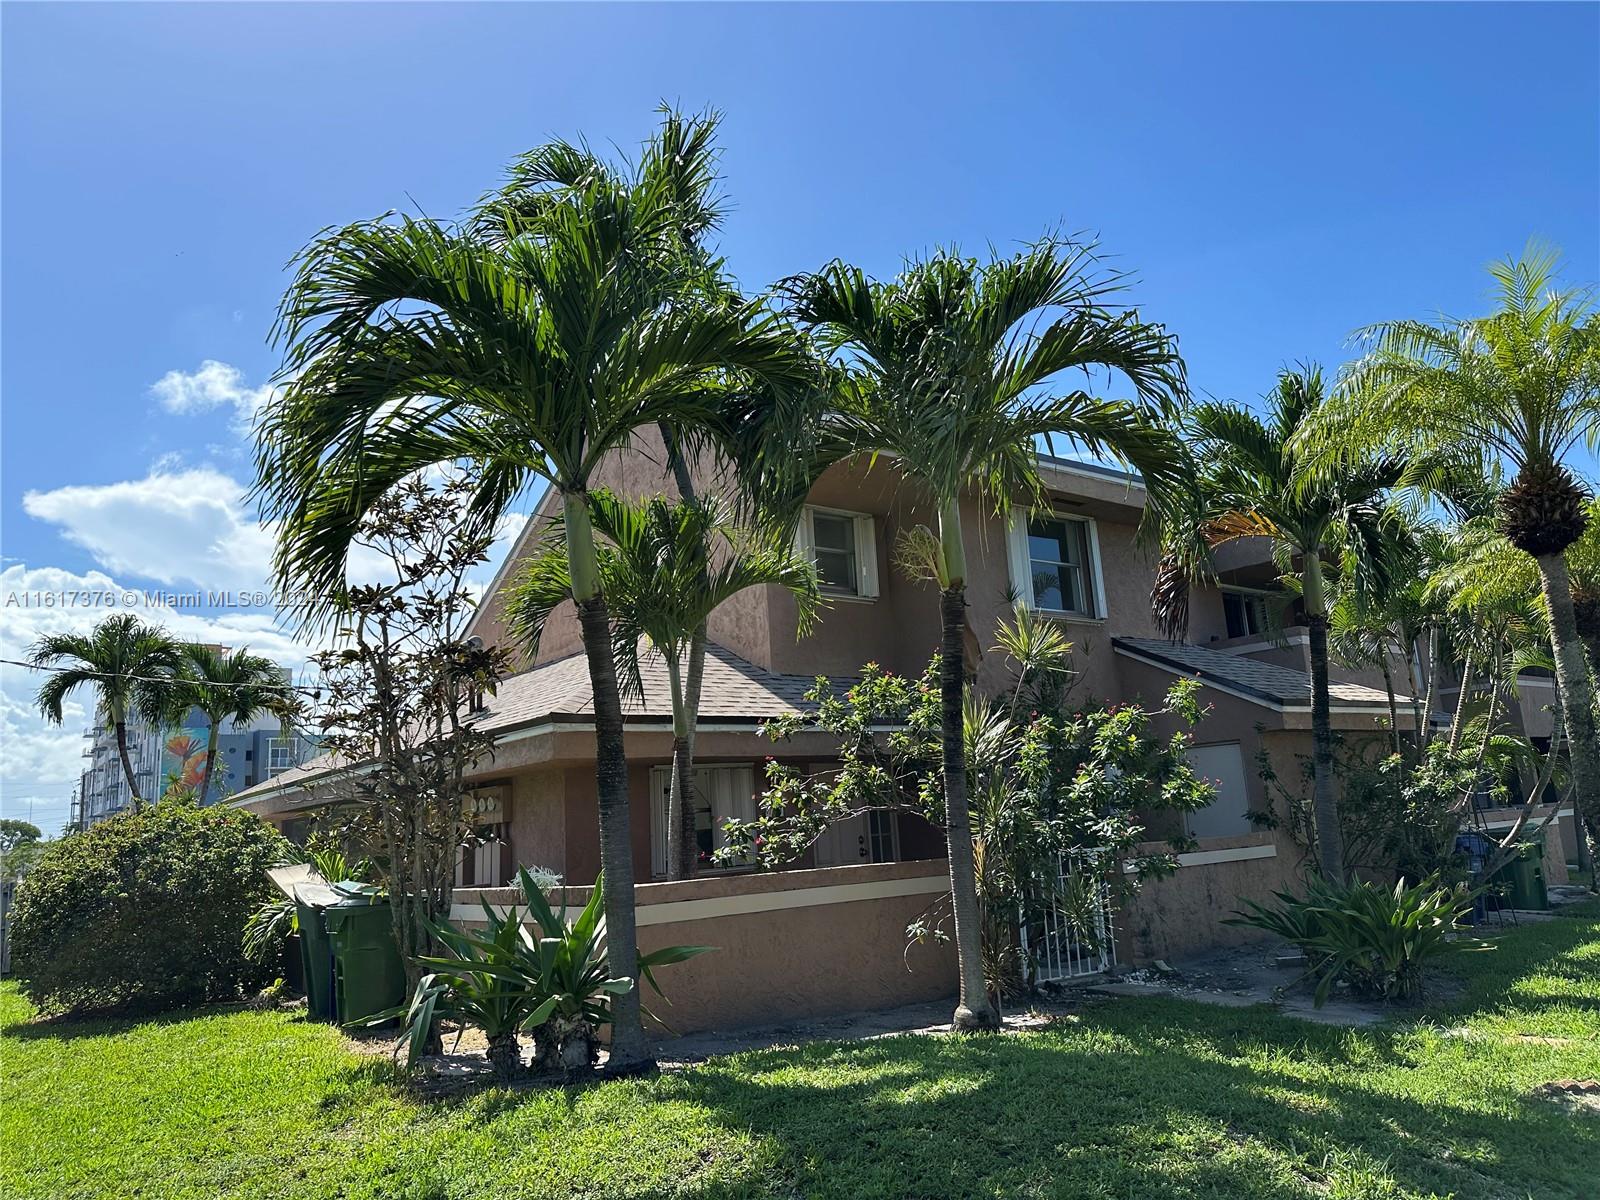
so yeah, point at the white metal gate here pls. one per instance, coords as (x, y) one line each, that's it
(1074, 935)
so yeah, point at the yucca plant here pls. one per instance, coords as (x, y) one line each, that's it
(550, 980)
(578, 988)
(1375, 939)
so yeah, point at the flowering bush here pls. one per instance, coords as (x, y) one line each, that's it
(1044, 779)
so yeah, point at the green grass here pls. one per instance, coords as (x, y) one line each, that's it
(1138, 1099)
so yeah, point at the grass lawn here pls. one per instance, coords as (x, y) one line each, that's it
(1137, 1098)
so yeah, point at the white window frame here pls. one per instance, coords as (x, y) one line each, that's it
(290, 746)
(1021, 562)
(866, 530)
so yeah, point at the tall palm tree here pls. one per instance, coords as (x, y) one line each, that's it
(237, 686)
(1521, 386)
(1254, 482)
(664, 568)
(954, 368)
(130, 665)
(531, 343)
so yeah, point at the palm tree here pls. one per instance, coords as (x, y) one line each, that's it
(1253, 482)
(1521, 386)
(533, 342)
(236, 686)
(955, 368)
(664, 567)
(130, 664)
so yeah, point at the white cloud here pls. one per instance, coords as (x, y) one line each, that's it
(215, 385)
(171, 526)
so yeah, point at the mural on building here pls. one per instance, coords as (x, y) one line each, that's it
(183, 759)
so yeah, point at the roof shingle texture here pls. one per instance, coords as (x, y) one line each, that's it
(1278, 685)
(733, 689)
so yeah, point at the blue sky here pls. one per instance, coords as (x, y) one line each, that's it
(1274, 175)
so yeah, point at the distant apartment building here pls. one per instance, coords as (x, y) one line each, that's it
(163, 756)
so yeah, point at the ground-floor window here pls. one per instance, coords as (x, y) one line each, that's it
(720, 792)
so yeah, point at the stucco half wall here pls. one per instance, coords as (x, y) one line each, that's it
(788, 945)
(1183, 913)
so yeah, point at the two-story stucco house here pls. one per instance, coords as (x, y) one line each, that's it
(1076, 559)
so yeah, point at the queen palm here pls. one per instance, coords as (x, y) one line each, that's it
(1522, 385)
(130, 665)
(531, 343)
(955, 368)
(224, 685)
(1253, 482)
(664, 567)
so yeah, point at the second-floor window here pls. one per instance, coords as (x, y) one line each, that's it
(1061, 565)
(1245, 613)
(844, 547)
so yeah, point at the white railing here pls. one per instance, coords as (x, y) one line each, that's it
(1074, 935)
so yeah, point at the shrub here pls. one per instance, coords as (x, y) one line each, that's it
(1374, 939)
(145, 911)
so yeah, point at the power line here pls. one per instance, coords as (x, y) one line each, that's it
(314, 692)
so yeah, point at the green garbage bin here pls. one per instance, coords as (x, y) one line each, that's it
(368, 976)
(1524, 878)
(316, 955)
(348, 952)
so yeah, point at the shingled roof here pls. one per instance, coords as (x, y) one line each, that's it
(1265, 683)
(734, 690)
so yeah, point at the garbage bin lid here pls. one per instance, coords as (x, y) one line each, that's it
(346, 894)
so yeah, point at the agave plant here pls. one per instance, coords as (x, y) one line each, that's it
(1375, 939)
(530, 971)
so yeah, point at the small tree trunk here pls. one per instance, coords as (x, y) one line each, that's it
(630, 1051)
(1324, 802)
(1576, 684)
(211, 762)
(127, 763)
(681, 811)
(505, 1055)
(684, 762)
(973, 1010)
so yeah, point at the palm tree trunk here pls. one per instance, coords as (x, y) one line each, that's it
(505, 1055)
(1388, 687)
(1575, 683)
(121, 725)
(630, 1051)
(973, 1010)
(1425, 730)
(680, 803)
(682, 811)
(1324, 800)
(211, 761)
(1460, 717)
